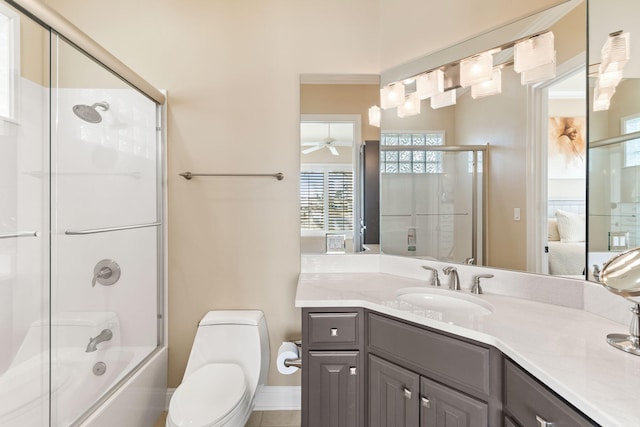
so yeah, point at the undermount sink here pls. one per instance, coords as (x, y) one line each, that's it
(445, 301)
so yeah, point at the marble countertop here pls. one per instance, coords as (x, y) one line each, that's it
(563, 347)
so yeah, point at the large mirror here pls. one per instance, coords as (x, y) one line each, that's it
(528, 179)
(614, 122)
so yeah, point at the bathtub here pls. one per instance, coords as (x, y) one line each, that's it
(136, 382)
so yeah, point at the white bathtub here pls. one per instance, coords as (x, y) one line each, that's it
(24, 398)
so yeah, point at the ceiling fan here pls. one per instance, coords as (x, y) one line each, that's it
(310, 137)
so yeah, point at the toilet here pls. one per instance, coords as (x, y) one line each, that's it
(229, 361)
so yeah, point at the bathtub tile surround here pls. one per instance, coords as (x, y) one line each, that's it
(560, 338)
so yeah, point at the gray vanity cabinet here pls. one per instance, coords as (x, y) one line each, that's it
(530, 403)
(401, 398)
(393, 395)
(333, 366)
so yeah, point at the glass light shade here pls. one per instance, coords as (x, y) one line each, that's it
(374, 116)
(410, 107)
(430, 84)
(534, 52)
(476, 69)
(615, 53)
(490, 87)
(544, 72)
(609, 79)
(391, 95)
(602, 97)
(444, 99)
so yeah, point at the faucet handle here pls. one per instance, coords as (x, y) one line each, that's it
(435, 280)
(476, 288)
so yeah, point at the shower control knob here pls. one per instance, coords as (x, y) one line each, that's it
(106, 272)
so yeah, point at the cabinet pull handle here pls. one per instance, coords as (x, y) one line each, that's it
(425, 402)
(353, 371)
(407, 392)
(334, 332)
(543, 423)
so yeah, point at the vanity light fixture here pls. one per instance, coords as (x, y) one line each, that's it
(534, 52)
(410, 107)
(392, 95)
(374, 116)
(614, 56)
(538, 74)
(615, 52)
(430, 84)
(602, 97)
(444, 99)
(476, 69)
(490, 87)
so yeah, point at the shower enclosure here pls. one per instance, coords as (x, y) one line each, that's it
(432, 198)
(81, 222)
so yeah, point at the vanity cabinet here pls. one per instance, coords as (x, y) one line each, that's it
(401, 398)
(333, 366)
(530, 403)
(433, 379)
(362, 368)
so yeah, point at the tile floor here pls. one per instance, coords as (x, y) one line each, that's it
(260, 419)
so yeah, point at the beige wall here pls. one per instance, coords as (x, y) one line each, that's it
(232, 71)
(34, 52)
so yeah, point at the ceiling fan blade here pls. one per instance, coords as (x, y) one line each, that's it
(333, 151)
(312, 149)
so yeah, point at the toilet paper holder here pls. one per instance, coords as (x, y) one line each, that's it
(295, 363)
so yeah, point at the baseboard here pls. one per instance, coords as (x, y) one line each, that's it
(268, 398)
(278, 398)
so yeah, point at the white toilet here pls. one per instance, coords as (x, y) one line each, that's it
(229, 360)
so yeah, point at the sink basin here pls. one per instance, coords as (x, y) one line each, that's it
(445, 301)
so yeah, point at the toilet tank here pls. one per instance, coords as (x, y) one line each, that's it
(233, 336)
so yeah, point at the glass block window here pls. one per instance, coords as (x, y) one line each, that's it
(632, 147)
(326, 201)
(9, 62)
(411, 161)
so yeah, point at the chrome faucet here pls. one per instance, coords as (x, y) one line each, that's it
(469, 261)
(476, 288)
(105, 335)
(435, 280)
(596, 272)
(454, 281)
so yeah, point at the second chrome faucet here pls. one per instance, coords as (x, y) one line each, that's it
(454, 280)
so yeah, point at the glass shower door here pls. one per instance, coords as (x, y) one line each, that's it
(24, 220)
(105, 231)
(431, 202)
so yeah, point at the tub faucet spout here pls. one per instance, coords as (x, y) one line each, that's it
(105, 335)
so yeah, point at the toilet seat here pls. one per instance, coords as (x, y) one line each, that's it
(211, 396)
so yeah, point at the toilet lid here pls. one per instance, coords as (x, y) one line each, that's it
(208, 395)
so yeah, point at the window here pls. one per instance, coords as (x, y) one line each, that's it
(631, 124)
(326, 200)
(406, 161)
(9, 62)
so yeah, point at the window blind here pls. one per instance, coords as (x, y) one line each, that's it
(340, 215)
(312, 200)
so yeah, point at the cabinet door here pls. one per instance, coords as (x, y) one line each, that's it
(333, 389)
(441, 406)
(393, 395)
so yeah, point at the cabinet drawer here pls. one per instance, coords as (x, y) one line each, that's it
(526, 399)
(333, 328)
(445, 359)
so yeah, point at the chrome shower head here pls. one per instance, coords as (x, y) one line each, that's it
(90, 114)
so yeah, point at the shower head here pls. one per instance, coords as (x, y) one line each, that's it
(90, 114)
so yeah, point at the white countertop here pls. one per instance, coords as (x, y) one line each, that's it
(563, 347)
